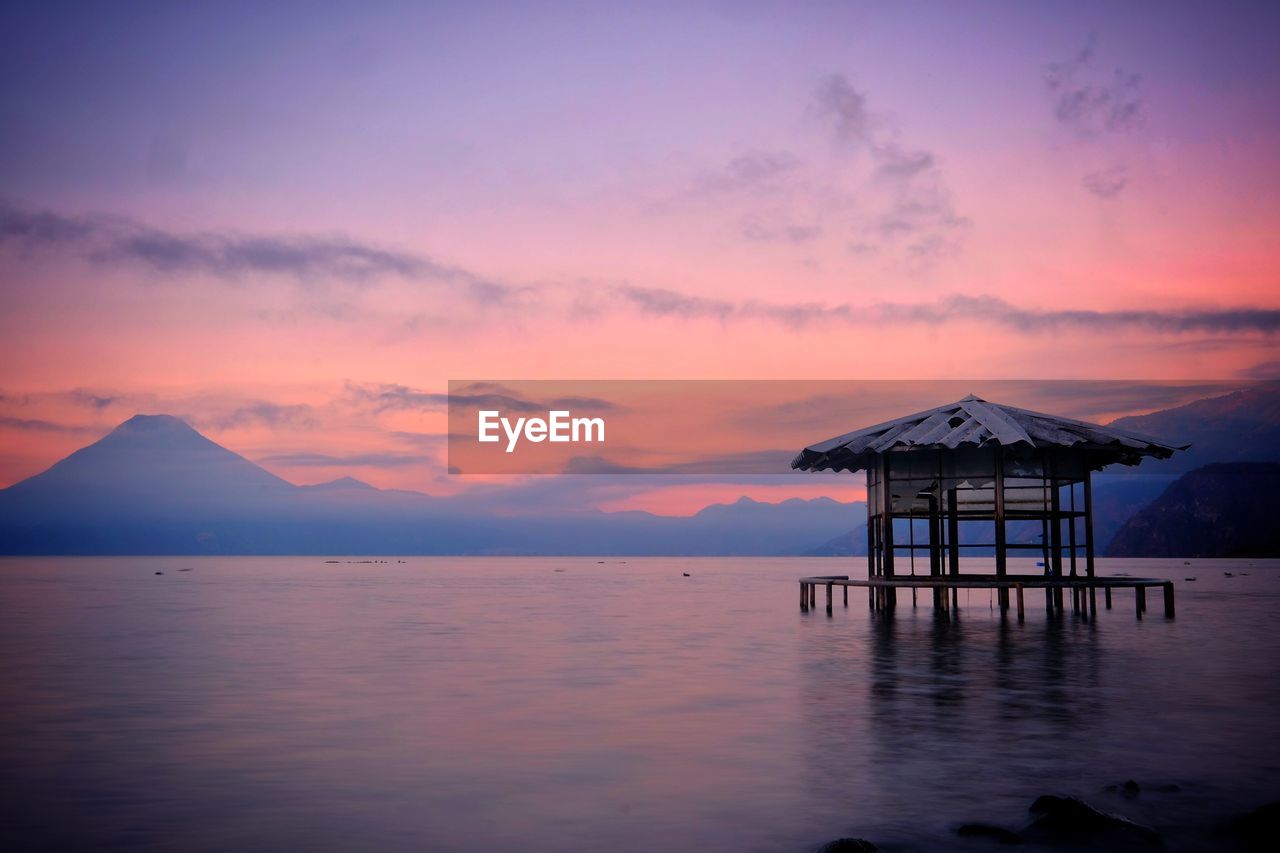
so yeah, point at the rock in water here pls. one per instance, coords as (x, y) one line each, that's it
(849, 845)
(1070, 819)
(1260, 830)
(995, 833)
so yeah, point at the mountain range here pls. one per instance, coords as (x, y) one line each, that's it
(1226, 509)
(154, 485)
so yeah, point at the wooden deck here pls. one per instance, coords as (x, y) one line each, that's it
(882, 592)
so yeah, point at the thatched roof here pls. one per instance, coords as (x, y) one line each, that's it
(973, 423)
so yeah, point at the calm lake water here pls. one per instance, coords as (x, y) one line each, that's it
(480, 704)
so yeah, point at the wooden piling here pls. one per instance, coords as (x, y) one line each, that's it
(846, 595)
(1168, 600)
(804, 598)
(1106, 594)
(1021, 615)
(828, 599)
(1140, 600)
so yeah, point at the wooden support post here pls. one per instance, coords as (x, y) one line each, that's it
(953, 532)
(1106, 595)
(1002, 552)
(1021, 615)
(935, 535)
(955, 599)
(886, 519)
(1093, 601)
(1055, 510)
(846, 595)
(1168, 600)
(828, 599)
(872, 500)
(1088, 528)
(813, 595)
(1057, 598)
(1140, 600)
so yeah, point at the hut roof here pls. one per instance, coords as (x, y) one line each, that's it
(972, 423)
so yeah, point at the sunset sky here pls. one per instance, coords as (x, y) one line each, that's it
(292, 224)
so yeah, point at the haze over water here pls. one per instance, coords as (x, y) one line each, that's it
(561, 703)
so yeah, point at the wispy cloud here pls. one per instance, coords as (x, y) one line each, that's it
(746, 171)
(391, 397)
(990, 309)
(353, 460)
(260, 413)
(1107, 183)
(844, 108)
(385, 397)
(917, 219)
(1095, 107)
(758, 231)
(233, 256)
(1089, 103)
(40, 425)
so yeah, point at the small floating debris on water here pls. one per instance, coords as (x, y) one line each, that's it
(184, 570)
(686, 574)
(599, 562)
(558, 570)
(334, 561)
(1227, 575)
(1188, 579)
(1186, 562)
(159, 573)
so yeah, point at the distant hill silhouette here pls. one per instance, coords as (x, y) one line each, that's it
(156, 486)
(1243, 426)
(1220, 510)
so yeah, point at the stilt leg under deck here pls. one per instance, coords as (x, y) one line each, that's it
(881, 593)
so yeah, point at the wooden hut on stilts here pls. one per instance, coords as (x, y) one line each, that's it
(975, 477)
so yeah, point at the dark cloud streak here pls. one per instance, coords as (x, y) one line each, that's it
(669, 303)
(311, 259)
